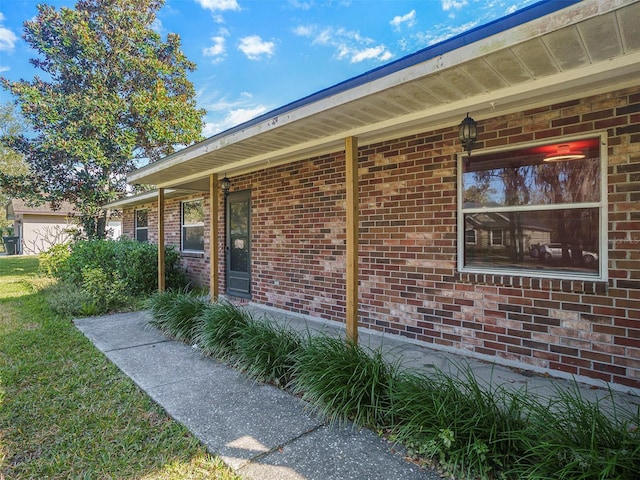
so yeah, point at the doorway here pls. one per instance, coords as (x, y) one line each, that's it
(238, 249)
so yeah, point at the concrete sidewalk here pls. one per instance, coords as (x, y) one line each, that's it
(263, 432)
(260, 431)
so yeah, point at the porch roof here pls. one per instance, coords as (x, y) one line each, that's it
(145, 198)
(547, 53)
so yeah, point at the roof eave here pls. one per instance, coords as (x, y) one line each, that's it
(497, 36)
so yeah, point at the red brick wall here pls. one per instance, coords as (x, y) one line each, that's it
(409, 284)
(195, 265)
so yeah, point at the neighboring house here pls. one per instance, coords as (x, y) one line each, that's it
(40, 227)
(507, 235)
(354, 204)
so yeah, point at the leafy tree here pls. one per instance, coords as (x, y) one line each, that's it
(11, 162)
(112, 92)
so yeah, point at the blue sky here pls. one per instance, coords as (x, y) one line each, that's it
(257, 55)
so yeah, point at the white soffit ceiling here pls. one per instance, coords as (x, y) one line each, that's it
(587, 48)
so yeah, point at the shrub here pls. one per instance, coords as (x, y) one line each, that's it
(132, 262)
(219, 328)
(108, 291)
(344, 381)
(267, 351)
(53, 262)
(137, 264)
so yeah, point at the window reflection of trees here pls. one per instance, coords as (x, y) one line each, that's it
(512, 186)
(239, 226)
(542, 184)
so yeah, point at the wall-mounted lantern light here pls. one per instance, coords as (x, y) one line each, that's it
(468, 133)
(225, 184)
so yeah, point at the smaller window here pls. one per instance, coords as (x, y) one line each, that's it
(470, 237)
(496, 238)
(193, 226)
(142, 225)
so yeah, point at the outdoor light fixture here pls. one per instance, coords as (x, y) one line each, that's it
(468, 133)
(563, 153)
(225, 184)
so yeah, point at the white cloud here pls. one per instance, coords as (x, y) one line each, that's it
(303, 31)
(219, 5)
(230, 118)
(218, 103)
(374, 53)
(511, 8)
(348, 44)
(157, 27)
(301, 5)
(409, 20)
(439, 33)
(453, 4)
(219, 48)
(254, 47)
(8, 39)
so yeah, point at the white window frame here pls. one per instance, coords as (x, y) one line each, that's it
(136, 227)
(183, 225)
(602, 205)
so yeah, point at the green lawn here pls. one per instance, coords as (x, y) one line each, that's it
(67, 412)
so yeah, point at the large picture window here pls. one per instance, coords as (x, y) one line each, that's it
(142, 225)
(537, 211)
(193, 226)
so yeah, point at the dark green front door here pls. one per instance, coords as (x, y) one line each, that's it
(239, 244)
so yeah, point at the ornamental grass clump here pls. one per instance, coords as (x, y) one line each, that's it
(219, 326)
(467, 430)
(176, 313)
(159, 305)
(573, 438)
(343, 381)
(267, 351)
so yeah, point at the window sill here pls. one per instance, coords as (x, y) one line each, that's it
(192, 254)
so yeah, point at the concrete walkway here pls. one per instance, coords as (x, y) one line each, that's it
(260, 431)
(265, 433)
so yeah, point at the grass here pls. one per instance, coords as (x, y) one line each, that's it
(67, 412)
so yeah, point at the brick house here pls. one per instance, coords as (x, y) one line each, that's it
(359, 205)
